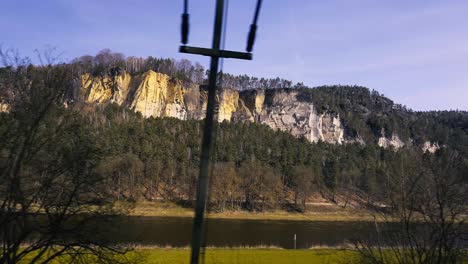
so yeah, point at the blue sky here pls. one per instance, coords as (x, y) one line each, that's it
(415, 52)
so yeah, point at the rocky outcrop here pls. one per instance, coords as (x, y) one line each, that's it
(228, 104)
(430, 147)
(151, 94)
(393, 142)
(157, 96)
(284, 112)
(330, 129)
(96, 89)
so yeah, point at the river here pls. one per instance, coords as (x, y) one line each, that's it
(176, 232)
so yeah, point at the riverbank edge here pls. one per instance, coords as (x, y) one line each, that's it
(336, 214)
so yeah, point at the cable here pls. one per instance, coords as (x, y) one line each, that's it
(223, 41)
(257, 11)
(253, 28)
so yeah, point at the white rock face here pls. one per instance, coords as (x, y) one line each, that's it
(300, 119)
(430, 147)
(394, 142)
(330, 129)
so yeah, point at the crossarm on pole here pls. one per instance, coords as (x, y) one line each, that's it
(216, 53)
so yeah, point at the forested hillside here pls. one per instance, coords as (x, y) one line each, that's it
(255, 167)
(368, 113)
(363, 115)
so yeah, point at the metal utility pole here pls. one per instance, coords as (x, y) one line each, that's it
(208, 132)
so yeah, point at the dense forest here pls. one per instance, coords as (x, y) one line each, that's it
(255, 168)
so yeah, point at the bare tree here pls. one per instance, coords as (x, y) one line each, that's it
(225, 186)
(426, 221)
(262, 186)
(198, 73)
(302, 184)
(108, 58)
(49, 192)
(123, 173)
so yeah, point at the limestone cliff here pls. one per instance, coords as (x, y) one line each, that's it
(281, 110)
(96, 89)
(228, 104)
(151, 94)
(155, 94)
(158, 95)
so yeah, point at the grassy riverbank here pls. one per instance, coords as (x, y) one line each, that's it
(159, 255)
(316, 212)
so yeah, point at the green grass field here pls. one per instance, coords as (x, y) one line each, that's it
(255, 256)
(232, 256)
(226, 256)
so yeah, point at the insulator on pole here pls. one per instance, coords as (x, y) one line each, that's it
(251, 38)
(185, 28)
(185, 23)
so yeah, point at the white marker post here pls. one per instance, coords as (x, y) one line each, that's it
(294, 241)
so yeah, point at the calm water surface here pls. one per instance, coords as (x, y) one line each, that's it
(176, 231)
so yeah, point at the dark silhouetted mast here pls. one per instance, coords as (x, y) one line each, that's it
(208, 132)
